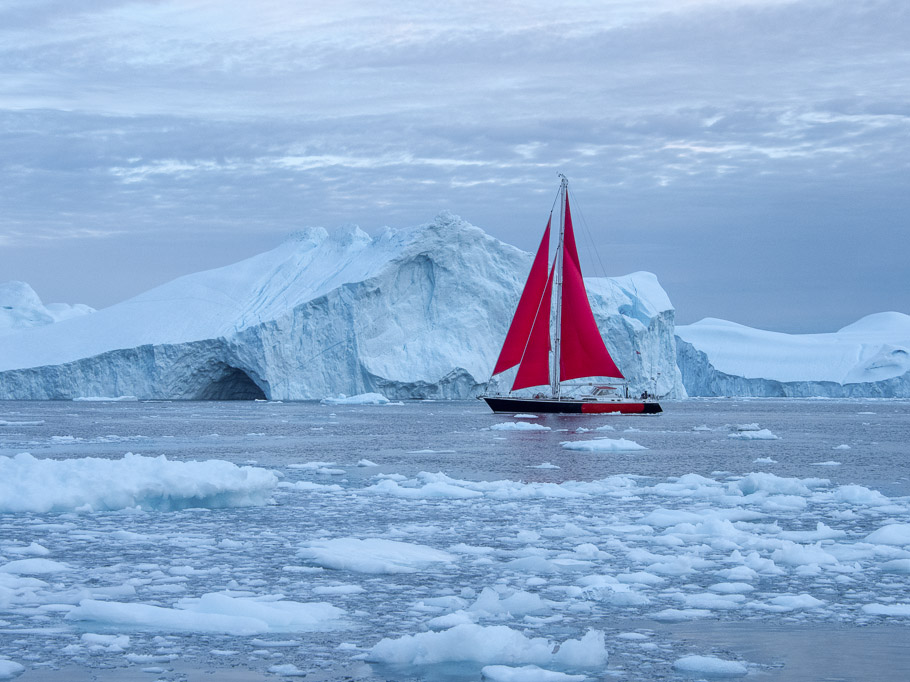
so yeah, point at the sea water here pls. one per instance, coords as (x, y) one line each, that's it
(769, 534)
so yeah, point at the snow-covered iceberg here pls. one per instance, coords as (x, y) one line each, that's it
(21, 308)
(409, 313)
(869, 358)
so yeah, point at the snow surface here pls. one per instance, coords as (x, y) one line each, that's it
(873, 351)
(20, 308)
(409, 313)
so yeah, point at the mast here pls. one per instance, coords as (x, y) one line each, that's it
(554, 377)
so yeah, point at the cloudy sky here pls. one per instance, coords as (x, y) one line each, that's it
(754, 154)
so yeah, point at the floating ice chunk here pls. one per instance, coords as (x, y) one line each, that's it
(857, 494)
(310, 486)
(519, 426)
(902, 610)
(366, 463)
(105, 399)
(34, 549)
(36, 422)
(287, 670)
(373, 555)
(796, 602)
(438, 489)
(450, 620)
(896, 566)
(525, 416)
(605, 427)
(44, 485)
(10, 669)
(892, 534)
(842, 446)
(113, 643)
(362, 399)
(526, 673)
(769, 483)
(489, 644)
(731, 588)
(213, 612)
(34, 567)
(738, 573)
(713, 602)
(828, 463)
(747, 427)
(157, 618)
(710, 665)
(794, 554)
(338, 589)
(761, 434)
(518, 603)
(677, 615)
(764, 460)
(544, 465)
(603, 445)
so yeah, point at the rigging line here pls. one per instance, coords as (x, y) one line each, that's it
(590, 238)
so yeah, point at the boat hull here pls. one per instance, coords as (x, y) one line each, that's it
(572, 406)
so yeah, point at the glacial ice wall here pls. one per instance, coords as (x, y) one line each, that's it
(869, 358)
(417, 313)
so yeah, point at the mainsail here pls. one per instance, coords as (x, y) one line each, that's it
(582, 352)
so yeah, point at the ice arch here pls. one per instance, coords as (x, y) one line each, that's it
(232, 384)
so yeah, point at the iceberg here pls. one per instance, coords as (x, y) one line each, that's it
(409, 313)
(21, 308)
(869, 358)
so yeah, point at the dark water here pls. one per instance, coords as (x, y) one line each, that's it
(455, 438)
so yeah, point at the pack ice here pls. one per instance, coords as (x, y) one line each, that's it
(417, 312)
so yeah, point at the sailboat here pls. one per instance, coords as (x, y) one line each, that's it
(578, 350)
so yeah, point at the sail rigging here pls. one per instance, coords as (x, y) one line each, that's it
(579, 350)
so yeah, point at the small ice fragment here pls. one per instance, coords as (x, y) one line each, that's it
(287, 670)
(519, 426)
(761, 434)
(525, 416)
(710, 665)
(526, 673)
(362, 399)
(366, 463)
(10, 669)
(544, 465)
(603, 445)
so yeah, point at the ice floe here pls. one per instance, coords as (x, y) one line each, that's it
(372, 555)
(94, 484)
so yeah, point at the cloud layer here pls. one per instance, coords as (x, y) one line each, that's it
(751, 153)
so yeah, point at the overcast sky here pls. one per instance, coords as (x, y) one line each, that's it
(754, 154)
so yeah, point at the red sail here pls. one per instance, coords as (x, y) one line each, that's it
(523, 320)
(534, 369)
(582, 352)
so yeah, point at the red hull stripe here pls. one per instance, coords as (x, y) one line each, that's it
(623, 408)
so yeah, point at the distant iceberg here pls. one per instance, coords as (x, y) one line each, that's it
(869, 358)
(20, 308)
(410, 313)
